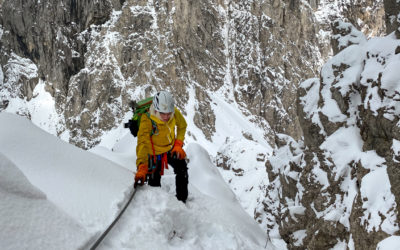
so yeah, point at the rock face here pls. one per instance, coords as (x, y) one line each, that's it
(94, 57)
(44, 32)
(366, 15)
(340, 186)
(392, 18)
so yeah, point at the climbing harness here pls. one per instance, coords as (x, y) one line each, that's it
(155, 161)
(99, 240)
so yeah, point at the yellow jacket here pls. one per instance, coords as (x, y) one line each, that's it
(163, 138)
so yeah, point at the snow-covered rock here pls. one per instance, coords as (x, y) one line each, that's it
(339, 187)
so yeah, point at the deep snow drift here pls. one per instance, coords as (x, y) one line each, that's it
(57, 196)
(26, 215)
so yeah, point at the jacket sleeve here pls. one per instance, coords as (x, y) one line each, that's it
(181, 125)
(143, 147)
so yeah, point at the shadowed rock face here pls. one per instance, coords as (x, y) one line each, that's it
(95, 56)
(392, 19)
(45, 32)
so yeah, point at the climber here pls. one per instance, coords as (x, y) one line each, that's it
(158, 146)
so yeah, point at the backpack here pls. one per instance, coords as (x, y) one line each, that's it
(139, 108)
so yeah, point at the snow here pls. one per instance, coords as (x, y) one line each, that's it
(375, 188)
(85, 186)
(26, 215)
(310, 101)
(209, 183)
(247, 155)
(390, 243)
(345, 146)
(246, 173)
(340, 246)
(210, 219)
(18, 66)
(293, 210)
(299, 235)
(382, 63)
(78, 193)
(354, 37)
(391, 79)
(352, 58)
(41, 108)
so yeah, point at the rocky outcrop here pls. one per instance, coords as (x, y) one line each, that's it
(339, 187)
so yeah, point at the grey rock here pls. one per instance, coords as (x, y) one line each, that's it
(392, 10)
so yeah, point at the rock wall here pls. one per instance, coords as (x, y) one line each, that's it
(45, 33)
(339, 186)
(96, 56)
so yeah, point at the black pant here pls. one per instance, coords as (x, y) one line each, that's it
(181, 176)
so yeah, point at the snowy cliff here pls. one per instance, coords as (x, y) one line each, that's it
(339, 187)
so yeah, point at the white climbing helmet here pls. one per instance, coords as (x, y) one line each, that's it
(164, 102)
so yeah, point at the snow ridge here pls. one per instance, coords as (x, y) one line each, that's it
(78, 193)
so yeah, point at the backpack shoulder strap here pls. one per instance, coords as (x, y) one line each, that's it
(154, 130)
